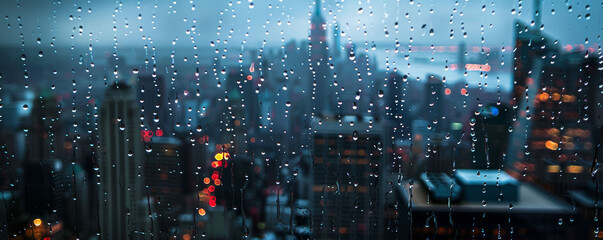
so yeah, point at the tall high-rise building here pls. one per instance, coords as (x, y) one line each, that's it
(45, 140)
(319, 61)
(165, 178)
(346, 179)
(236, 123)
(336, 47)
(151, 91)
(123, 206)
(397, 112)
(552, 141)
(434, 103)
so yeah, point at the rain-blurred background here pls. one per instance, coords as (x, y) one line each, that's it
(309, 119)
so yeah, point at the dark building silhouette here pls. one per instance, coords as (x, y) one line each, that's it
(123, 205)
(552, 141)
(165, 178)
(46, 138)
(345, 187)
(151, 91)
(491, 131)
(433, 104)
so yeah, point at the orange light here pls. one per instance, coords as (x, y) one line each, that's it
(37, 222)
(202, 213)
(556, 97)
(216, 164)
(217, 182)
(574, 169)
(67, 145)
(568, 98)
(553, 168)
(543, 97)
(237, 123)
(447, 91)
(249, 77)
(551, 145)
(206, 180)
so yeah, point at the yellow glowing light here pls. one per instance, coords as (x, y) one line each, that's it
(219, 156)
(553, 168)
(202, 212)
(551, 145)
(574, 169)
(37, 222)
(568, 98)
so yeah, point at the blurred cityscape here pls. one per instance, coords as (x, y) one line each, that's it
(312, 140)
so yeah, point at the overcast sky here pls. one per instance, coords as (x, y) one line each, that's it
(46, 19)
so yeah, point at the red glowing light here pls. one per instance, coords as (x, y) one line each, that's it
(215, 176)
(463, 91)
(447, 91)
(212, 203)
(159, 133)
(146, 135)
(478, 67)
(211, 189)
(249, 77)
(203, 139)
(216, 164)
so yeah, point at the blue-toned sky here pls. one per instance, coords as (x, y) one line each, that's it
(287, 19)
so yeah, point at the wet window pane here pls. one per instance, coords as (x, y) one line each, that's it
(306, 119)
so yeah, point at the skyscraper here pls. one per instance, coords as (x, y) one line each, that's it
(319, 60)
(46, 138)
(434, 103)
(123, 206)
(165, 180)
(552, 141)
(151, 92)
(347, 163)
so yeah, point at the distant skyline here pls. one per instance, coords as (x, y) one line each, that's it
(45, 19)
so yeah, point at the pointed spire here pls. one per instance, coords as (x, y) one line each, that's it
(537, 13)
(317, 9)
